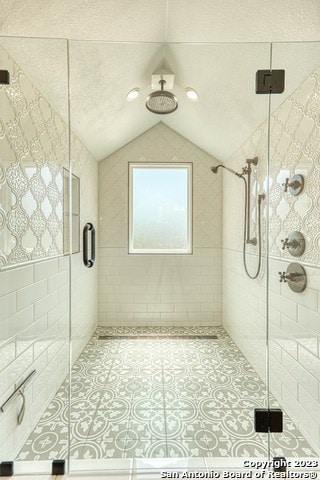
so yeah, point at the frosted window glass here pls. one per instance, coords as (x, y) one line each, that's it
(160, 209)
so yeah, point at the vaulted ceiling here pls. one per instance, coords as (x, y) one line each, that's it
(102, 72)
(163, 20)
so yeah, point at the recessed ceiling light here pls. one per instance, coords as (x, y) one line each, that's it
(192, 94)
(133, 94)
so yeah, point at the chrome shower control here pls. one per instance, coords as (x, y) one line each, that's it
(285, 244)
(245, 175)
(295, 185)
(295, 277)
(295, 244)
(284, 276)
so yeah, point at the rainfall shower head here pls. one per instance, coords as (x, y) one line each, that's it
(215, 170)
(161, 101)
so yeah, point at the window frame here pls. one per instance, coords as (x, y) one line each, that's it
(175, 251)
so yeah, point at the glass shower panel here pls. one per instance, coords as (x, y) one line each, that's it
(34, 273)
(294, 316)
(230, 122)
(173, 368)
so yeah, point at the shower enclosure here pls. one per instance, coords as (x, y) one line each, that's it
(170, 360)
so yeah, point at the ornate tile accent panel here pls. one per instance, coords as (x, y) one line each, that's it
(294, 149)
(34, 149)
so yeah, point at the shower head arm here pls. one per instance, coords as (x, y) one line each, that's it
(162, 84)
(215, 170)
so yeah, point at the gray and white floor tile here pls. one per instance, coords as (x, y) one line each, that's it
(159, 396)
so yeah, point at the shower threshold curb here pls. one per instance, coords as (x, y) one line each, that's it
(135, 469)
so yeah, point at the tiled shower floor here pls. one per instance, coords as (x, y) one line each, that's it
(160, 397)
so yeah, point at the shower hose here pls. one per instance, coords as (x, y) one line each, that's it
(246, 218)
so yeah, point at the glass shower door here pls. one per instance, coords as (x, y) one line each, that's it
(34, 255)
(171, 394)
(294, 317)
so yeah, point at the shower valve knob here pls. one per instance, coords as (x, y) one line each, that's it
(289, 244)
(292, 276)
(294, 184)
(286, 185)
(295, 277)
(283, 277)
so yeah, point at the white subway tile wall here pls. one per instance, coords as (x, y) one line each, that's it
(159, 289)
(34, 313)
(29, 340)
(294, 330)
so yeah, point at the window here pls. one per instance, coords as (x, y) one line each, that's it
(160, 208)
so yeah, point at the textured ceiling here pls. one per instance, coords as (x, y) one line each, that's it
(146, 20)
(46, 64)
(227, 112)
(101, 73)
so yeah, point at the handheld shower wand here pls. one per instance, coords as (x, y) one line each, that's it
(247, 196)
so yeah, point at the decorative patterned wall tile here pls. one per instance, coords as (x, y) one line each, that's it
(294, 148)
(31, 186)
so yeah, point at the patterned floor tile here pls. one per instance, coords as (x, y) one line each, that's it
(180, 403)
(107, 424)
(146, 448)
(154, 400)
(139, 447)
(148, 423)
(108, 447)
(46, 442)
(186, 424)
(160, 397)
(54, 411)
(184, 448)
(240, 448)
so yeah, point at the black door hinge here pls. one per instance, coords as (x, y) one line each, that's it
(58, 467)
(279, 464)
(4, 77)
(6, 469)
(268, 420)
(270, 81)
